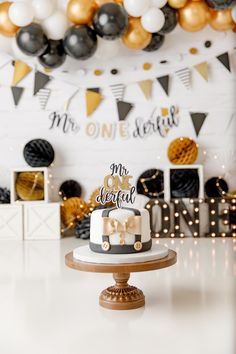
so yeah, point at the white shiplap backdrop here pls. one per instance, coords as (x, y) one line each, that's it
(87, 160)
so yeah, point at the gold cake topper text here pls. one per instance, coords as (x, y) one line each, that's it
(117, 187)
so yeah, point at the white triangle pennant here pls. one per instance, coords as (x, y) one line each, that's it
(43, 96)
(185, 77)
(118, 91)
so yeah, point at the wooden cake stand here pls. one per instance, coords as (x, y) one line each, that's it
(121, 296)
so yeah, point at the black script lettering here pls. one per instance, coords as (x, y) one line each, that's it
(64, 122)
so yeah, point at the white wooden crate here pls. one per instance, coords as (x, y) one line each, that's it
(11, 222)
(16, 171)
(42, 221)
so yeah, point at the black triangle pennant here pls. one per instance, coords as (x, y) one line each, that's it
(124, 109)
(17, 93)
(198, 120)
(94, 89)
(164, 82)
(224, 59)
(40, 81)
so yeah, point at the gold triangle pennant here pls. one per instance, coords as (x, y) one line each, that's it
(93, 100)
(21, 70)
(202, 69)
(146, 87)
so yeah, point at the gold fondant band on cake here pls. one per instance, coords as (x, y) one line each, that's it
(105, 247)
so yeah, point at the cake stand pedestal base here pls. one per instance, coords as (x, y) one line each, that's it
(122, 296)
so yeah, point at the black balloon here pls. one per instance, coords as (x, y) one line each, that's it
(184, 183)
(170, 19)
(156, 42)
(80, 42)
(38, 153)
(31, 40)
(70, 189)
(110, 21)
(54, 56)
(220, 4)
(216, 187)
(151, 183)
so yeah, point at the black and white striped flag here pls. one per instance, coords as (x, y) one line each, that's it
(118, 91)
(185, 77)
(43, 96)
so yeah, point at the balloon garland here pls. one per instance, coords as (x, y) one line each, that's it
(43, 31)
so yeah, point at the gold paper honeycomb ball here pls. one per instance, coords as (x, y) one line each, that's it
(30, 186)
(73, 210)
(183, 151)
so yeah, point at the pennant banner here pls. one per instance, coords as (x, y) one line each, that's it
(202, 69)
(146, 87)
(118, 91)
(198, 120)
(185, 77)
(17, 93)
(21, 70)
(95, 89)
(43, 96)
(40, 81)
(68, 101)
(124, 108)
(164, 82)
(224, 59)
(93, 100)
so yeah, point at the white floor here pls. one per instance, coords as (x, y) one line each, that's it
(47, 308)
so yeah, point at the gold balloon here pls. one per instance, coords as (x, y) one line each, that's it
(81, 12)
(221, 20)
(194, 16)
(136, 37)
(7, 28)
(102, 2)
(177, 4)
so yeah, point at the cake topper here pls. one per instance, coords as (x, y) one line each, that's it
(116, 187)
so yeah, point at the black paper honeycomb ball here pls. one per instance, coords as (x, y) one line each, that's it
(151, 183)
(216, 187)
(184, 183)
(82, 229)
(4, 196)
(70, 189)
(39, 153)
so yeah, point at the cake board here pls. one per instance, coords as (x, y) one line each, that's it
(121, 296)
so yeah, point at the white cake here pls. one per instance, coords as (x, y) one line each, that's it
(120, 231)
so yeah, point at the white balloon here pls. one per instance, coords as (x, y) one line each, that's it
(159, 3)
(136, 8)
(55, 25)
(153, 20)
(21, 14)
(233, 13)
(43, 8)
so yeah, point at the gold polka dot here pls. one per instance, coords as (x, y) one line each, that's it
(147, 66)
(98, 72)
(193, 51)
